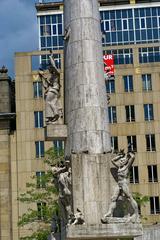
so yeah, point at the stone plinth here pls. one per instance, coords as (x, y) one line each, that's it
(107, 231)
(55, 132)
(91, 185)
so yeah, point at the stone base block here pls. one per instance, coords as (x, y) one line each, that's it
(108, 231)
(55, 132)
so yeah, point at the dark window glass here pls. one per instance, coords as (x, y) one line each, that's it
(110, 86)
(42, 20)
(60, 29)
(152, 173)
(154, 205)
(48, 19)
(150, 142)
(143, 25)
(43, 42)
(114, 143)
(49, 44)
(37, 86)
(39, 149)
(54, 19)
(132, 143)
(54, 27)
(146, 82)
(134, 175)
(148, 112)
(38, 119)
(128, 83)
(112, 114)
(59, 18)
(130, 113)
(124, 13)
(141, 12)
(148, 21)
(119, 25)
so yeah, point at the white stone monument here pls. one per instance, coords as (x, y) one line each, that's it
(88, 140)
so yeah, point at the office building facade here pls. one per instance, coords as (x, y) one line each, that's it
(131, 32)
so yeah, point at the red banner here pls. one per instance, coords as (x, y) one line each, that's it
(108, 60)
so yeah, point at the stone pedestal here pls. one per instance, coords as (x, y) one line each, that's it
(109, 231)
(55, 132)
(91, 185)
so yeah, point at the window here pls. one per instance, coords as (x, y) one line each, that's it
(38, 119)
(110, 86)
(150, 54)
(142, 23)
(132, 143)
(152, 173)
(148, 112)
(125, 24)
(128, 83)
(146, 82)
(154, 205)
(58, 145)
(134, 175)
(40, 179)
(37, 86)
(130, 114)
(112, 114)
(41, 208)
(114, 143)
(150, 143)
(39, 149)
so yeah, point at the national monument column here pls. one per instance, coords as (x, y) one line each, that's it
(85, 95)
(86, 108)
(88, 139)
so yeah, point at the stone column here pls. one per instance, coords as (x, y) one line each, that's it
(85, 94)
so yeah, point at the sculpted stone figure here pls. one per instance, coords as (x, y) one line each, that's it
(62, 180)
(51, 83)
(123, 163)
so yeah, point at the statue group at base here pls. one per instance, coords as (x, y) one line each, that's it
(123, 162)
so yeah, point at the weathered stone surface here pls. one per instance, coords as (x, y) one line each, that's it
(119, 231)
(90, 177)
(56, 132)
(85, 97)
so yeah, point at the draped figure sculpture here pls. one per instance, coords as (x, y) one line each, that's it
(51, 83)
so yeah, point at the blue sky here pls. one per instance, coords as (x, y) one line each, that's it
(19, 30)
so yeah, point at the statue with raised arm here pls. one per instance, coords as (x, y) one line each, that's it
(123, 163)
(51, 83)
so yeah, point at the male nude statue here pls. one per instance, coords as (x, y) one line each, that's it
(123, 163)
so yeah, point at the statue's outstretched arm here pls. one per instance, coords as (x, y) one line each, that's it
(53, 64)
(131, 159)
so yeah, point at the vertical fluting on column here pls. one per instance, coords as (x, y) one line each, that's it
(85, 95)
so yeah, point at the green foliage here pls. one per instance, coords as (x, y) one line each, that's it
(42, 198)
(140, 199)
